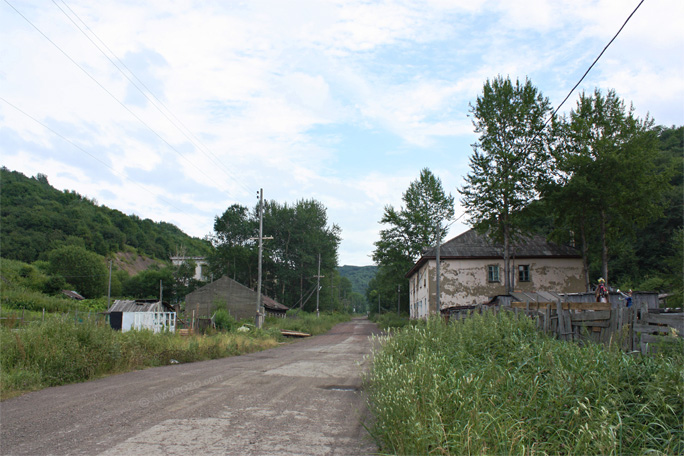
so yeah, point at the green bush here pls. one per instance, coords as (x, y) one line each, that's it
(495, 385)
(224, 321)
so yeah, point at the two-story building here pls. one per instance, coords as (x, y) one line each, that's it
(472, 271)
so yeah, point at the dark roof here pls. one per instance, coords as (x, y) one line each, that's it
(140, 305)
(472, 244)
(72, 294)
(272, 304)
(269, 303)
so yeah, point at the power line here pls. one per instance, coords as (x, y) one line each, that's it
(110, 94)
(177, 122)
(169, 203)
(592, 65)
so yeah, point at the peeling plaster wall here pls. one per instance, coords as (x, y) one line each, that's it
(464, 281)
(419, 293)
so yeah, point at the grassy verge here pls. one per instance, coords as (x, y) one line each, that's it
(495, 385)
(390, 320)
(60, 351)
(307, 322)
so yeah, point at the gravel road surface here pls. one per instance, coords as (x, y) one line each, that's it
(303, 398)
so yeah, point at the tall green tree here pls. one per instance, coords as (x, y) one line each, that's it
(510, 159)
(85, 271)
(300, 233)
(611, 181)
(411, 229)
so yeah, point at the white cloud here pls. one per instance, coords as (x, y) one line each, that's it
(269, 89)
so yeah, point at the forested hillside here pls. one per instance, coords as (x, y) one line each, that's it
(37, 218)
(359, 276)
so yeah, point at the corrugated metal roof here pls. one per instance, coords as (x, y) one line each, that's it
(72, 294)
(537, 296)
(143, 305)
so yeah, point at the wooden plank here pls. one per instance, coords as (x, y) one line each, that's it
(651, 339)
(596, 323)
(561, 323)
(288, 333)
(596, 315)
(676, 321)
(586, 306)
(652, 329)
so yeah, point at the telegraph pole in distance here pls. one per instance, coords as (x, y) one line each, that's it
(318, 284)
(398, 298)
(259, 318)
(439, 304)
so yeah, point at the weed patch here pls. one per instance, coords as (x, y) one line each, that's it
(60, 351)
(493, 384)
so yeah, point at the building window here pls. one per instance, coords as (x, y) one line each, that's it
(523, 273)
(493, 273)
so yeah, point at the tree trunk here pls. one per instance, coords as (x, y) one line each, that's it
(507, 256)
(604, 248)
(585, 255)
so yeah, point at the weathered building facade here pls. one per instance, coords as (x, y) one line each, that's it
(472, 271)
(239, 300)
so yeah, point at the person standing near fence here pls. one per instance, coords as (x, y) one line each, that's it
(601, 291)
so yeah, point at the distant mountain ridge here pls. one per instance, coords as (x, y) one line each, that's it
(37, 218)
(359, 276)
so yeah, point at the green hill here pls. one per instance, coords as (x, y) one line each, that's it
(359, 276)
(37, 218)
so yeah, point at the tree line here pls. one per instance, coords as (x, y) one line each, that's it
(299, 240)
(600, 178)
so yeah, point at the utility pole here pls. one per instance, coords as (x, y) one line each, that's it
(109, 288)
(318, 284)
(439, 305)
(258, 318)
(398, 298)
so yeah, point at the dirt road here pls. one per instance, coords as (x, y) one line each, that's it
(300, 398)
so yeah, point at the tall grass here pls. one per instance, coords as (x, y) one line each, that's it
(61, 351)
(493, 384)
(307, 322)
(390, 320)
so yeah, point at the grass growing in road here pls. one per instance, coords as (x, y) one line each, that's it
(493, 384)
(60, 351)
(307, 322)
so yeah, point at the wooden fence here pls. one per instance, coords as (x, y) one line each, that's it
(635, 328)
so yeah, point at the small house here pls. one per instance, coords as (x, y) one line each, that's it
(237, 299)
(126, 315)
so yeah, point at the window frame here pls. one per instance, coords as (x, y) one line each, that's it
(524, 273)
(491, 269)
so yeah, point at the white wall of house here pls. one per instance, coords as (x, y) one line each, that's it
(200, 266)
(467, 282)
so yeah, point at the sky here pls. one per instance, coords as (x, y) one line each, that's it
(175, 110)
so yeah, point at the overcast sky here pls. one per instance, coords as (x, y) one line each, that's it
(189, 107)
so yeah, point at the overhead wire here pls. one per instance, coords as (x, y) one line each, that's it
(112, 95)
(593, 63)
(176, 122)
(94, 157)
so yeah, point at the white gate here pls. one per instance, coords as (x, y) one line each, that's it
(155, 321)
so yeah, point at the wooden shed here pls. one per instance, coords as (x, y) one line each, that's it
(239, 300)
(152, 315)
